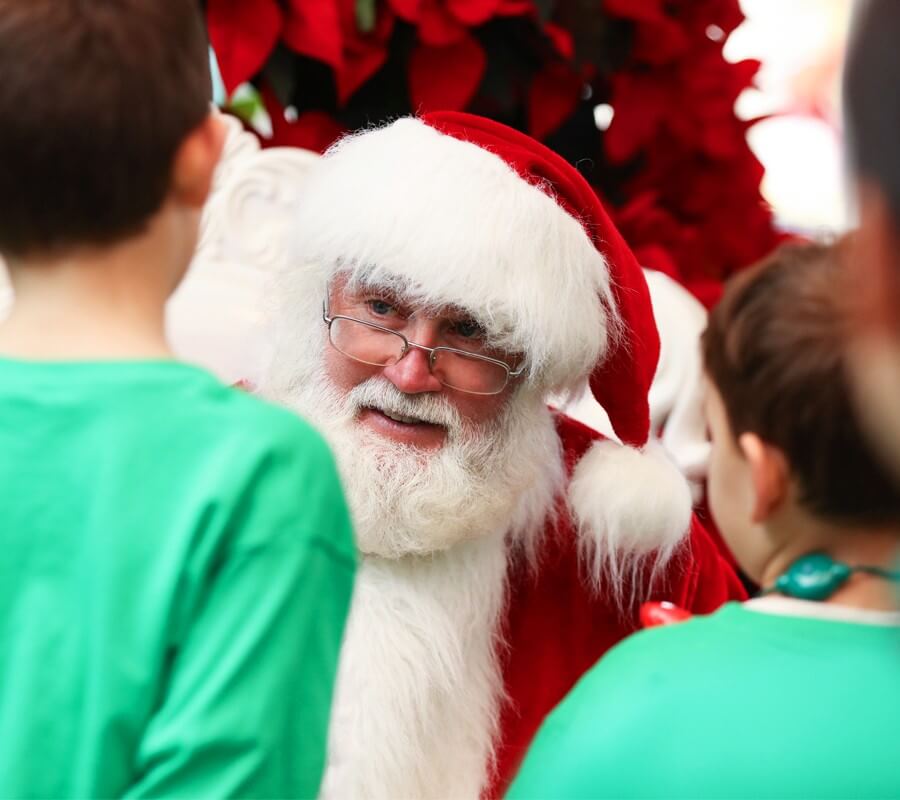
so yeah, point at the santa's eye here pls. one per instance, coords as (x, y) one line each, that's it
(380, 308)
(468, 329)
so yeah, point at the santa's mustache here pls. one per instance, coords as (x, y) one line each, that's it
(381, 395)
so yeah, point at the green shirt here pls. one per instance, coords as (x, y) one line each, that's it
(739, 704)
(177, 570)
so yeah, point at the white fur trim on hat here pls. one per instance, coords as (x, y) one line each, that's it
(629, 504)
(450, 223)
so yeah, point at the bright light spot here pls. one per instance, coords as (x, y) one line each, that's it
(804, 181)
(603, 116)
(715, 33)
(290, 114)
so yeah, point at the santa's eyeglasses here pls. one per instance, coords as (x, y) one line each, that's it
(378, 346)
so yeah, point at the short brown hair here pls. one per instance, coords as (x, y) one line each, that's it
(95, 98)
(774, 350)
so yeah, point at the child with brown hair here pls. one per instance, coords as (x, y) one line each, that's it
(178, 561)
(795, 693)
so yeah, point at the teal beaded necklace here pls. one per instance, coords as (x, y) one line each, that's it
(817, 576)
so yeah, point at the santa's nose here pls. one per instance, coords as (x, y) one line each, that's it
(412, 373)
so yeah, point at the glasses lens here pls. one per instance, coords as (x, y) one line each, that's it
(363, 343)
(469, 373)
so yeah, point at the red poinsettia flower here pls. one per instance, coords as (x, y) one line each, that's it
(312, 130)
(703, 17)
(243, 34)
(328, 31)
(652, 102)
(445, 78)
(445, 22)
(552, 97)
(314, 30)
(638, 10)
(659, 37)
(364, 52)
(642, 102)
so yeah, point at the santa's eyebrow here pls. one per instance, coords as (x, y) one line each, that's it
(403, 293)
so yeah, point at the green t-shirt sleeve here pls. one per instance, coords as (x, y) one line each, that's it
(245, 709)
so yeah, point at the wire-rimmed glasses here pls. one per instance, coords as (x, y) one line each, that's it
(378, 346)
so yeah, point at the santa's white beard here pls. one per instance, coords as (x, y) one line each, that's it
(419, 687)
(500, 475)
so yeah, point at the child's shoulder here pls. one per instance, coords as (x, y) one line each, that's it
(230, 417)
(700, 640)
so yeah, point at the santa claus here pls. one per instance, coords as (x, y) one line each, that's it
(450, 274)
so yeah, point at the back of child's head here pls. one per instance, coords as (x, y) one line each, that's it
(774, 351)
(95, 98)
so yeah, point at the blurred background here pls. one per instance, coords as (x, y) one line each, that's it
(797, 98)
(710, 127)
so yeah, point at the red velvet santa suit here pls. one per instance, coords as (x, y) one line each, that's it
(556, 627)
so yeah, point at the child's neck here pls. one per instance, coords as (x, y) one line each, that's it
(877, 547)
(100, 303)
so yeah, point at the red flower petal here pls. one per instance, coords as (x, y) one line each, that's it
(312, 130)
(445, 78)
(634, 9)
(437, 27)
(516, 8)
(561, 39)
(314, 30)
(407, 9)
(552, 98)
(358, 68)
(364, 53)
(243, 34)
(659, 42)
(473, 12)
(641, 103)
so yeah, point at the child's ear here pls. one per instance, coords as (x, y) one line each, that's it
(196, 159)
(769, 474)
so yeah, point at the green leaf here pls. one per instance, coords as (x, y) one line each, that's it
(365, 15)
(246, 102)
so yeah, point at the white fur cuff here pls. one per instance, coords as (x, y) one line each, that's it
(629, 502)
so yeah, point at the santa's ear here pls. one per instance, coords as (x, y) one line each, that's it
(769, 474)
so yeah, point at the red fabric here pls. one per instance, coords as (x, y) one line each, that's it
(556, 627)
(621, 381)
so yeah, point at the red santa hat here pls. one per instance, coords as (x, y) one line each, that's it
(620, 381)
(457, 209)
